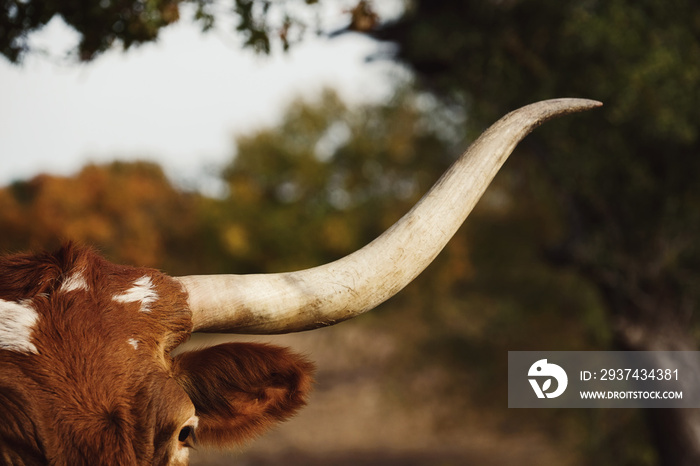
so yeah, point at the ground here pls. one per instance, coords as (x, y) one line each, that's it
(363, 413)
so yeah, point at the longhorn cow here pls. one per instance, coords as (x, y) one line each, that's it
(86, 371)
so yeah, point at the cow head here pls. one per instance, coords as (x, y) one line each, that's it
(86, 370)
(87, 376)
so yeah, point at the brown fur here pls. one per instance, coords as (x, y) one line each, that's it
(89, 397)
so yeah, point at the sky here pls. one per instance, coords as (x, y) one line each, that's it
(179, 101)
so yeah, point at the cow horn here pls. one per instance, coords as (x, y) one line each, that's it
(340, 290)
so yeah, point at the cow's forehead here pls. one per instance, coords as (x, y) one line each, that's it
(81, 296)
(140, 310)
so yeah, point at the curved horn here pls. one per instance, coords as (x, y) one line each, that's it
(340, 290)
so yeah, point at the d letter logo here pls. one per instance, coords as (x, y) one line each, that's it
(543, 369)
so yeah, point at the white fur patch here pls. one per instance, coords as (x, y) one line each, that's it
(181, 455)
(142, 290)
(17, 321)
(133, 342)
(74, 282)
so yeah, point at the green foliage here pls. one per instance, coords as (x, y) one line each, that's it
(621, 182)
(625, 180)
(101, 24)
(328, 173)
(105, 24)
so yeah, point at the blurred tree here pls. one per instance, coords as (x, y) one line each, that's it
(108, 23)
(128, 210)
(330, 172)
(627, 191)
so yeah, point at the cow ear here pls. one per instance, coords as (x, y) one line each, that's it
(240, 389)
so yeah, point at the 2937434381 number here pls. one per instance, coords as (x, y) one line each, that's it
(639, 374)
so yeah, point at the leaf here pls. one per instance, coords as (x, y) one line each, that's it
(546, 385)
